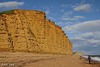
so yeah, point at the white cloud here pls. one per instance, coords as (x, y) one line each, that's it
(51, 18)
(87, 36)
(51, 6)
(60, 23)
(11, 4)
(68, 23)
(88, 43)
(47, 11)
(88, 26)
(75, 18)
(63, 5)
(62, 10)
(82, 7)
(97, 10)
(78, 17)
(66, 14)
(90, 35)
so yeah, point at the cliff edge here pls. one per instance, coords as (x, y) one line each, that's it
(30, 31)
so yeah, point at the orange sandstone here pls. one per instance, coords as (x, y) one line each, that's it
(30, 31)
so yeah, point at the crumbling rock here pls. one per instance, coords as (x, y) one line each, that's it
(30, 31)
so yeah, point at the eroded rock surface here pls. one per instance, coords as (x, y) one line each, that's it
(30, 31)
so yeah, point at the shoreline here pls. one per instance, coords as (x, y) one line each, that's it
(93, 62)
(91, 58)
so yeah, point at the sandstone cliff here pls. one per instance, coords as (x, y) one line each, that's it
(30, 31)
(78, 53)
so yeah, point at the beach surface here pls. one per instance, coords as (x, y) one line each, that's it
(18, 59)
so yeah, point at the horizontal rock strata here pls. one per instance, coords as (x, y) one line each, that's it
(30, 31)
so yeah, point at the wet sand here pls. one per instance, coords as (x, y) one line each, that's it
(18, 59)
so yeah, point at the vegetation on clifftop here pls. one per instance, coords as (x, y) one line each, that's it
(7, 12)
(78, 53)
(74, 52)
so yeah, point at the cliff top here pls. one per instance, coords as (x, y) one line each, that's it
(16, 11)
(78, 53)
(19, 10)
(7, 12)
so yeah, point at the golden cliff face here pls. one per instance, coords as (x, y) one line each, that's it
(30, 31)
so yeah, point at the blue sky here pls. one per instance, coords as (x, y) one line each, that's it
(80, 19)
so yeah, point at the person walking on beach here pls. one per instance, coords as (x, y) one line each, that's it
(89, 58)
(80, 57)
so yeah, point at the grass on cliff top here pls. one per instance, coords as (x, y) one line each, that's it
(74, 52)
(7, 12)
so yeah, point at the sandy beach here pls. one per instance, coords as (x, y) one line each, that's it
(17, 59)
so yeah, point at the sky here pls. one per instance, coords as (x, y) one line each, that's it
(80, 19)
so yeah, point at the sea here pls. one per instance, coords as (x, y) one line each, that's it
(93, 57)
